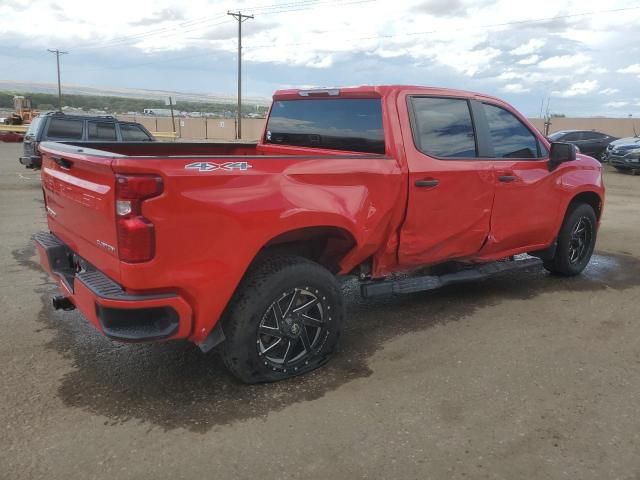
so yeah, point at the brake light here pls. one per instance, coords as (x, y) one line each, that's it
(136, 234)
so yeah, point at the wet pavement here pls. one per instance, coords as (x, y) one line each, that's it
(522, 375)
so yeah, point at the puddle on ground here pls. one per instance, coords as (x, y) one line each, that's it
(173, 385)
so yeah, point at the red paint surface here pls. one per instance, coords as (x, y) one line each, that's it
(209, 226)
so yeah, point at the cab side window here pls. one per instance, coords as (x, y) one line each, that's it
(442, 127)
(509, 136)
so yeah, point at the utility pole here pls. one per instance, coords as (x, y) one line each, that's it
(173, 120)
(58, 53)
(240, 18)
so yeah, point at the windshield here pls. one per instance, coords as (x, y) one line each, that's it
(338, 124)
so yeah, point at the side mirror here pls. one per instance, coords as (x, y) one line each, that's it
(560, 153)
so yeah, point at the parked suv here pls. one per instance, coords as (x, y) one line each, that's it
(624, 154)
(57, 126)
(589, 142)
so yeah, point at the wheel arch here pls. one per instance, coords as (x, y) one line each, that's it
(323, 244)
(590, 198)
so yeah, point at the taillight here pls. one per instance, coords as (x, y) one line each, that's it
(136, 234)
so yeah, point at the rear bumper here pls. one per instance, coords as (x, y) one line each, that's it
(121, 315)
(33, 161)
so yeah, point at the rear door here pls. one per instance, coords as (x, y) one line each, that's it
(527, 197)
(79, 198)
(592, 143)
(450, 188)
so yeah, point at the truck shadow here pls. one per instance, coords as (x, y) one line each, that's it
(174, 385)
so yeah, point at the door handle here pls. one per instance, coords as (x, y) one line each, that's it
(427, 183)
(507, 178)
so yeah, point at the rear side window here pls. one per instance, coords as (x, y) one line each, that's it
(133, 133)
(443, 127)
(105, 131)
(338, 124)
(571, 137)
(65, 129)
(509, 136)
(592, 136)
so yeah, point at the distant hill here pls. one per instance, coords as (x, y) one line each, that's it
(45, 97)
(27, 87)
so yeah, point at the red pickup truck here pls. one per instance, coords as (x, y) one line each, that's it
(240, 245)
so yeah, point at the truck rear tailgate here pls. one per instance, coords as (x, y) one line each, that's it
(80, 199)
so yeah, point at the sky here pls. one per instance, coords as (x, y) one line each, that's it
(583, 57)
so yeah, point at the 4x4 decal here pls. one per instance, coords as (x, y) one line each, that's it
(210, 167)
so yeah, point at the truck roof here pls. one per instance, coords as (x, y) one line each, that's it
(374, 91)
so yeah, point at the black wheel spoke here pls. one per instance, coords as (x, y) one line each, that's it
(289, 351)
(306, 343)
(277, 311)
(302, 309)
(272, 346)
(291, 305)
(312, 322)
(266, 330)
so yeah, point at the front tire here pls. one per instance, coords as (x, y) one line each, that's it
(576, 241)
(285, 320)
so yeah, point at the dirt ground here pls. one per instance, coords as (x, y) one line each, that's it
(521, 376)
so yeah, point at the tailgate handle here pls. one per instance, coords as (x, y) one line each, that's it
(62, 162)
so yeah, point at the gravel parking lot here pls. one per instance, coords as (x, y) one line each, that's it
(521, 376)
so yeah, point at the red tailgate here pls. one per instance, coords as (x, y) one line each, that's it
(79, 197)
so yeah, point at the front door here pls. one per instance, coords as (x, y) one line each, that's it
(450, 189)
(527, 196)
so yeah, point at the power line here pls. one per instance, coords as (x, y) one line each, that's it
(178, 28)
(428, 32)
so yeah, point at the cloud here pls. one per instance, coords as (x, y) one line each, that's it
(565, 61)
(579, 88)
(515, 88)
(528, 48)
(616, 104)
(530, 60)
(635, 68)
(509, 76)
(441, 8)
(164, 15)
(608, 91)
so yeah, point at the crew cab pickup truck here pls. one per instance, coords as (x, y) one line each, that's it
(239, 246)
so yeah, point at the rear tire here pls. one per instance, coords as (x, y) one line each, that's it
(284, 320)
(576, 241)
